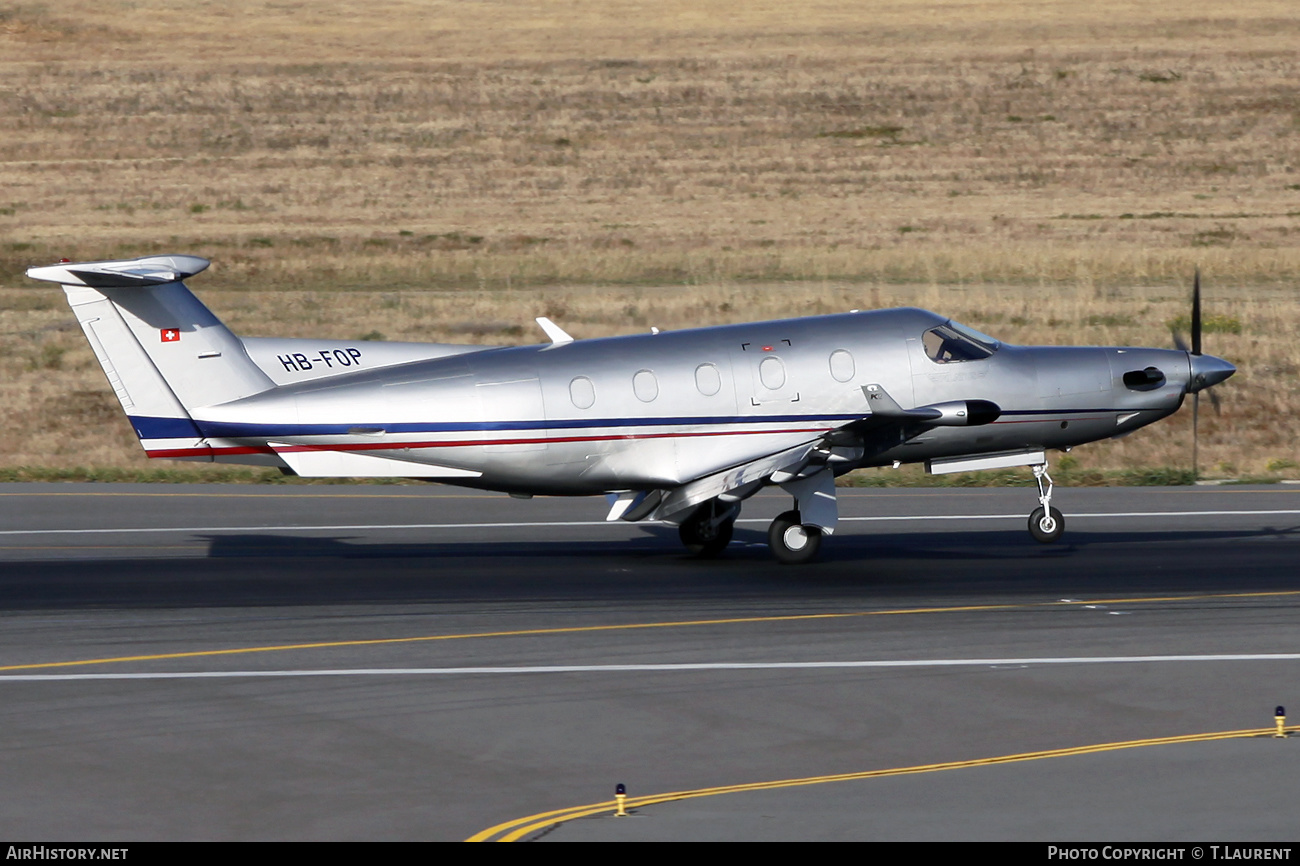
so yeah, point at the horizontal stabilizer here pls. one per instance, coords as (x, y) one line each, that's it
(147, 271)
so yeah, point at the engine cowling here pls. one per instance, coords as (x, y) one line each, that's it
(959, 413)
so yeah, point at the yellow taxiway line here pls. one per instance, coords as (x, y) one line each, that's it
(512, 831)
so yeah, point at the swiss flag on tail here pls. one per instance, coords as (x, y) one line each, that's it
(171, 335)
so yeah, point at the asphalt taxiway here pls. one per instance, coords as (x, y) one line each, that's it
(372, 662)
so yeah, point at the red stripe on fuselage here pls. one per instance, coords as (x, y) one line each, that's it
(464, 443)
(534, 440)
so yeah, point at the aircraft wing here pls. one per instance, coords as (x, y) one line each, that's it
(734, 483)
(886, 424)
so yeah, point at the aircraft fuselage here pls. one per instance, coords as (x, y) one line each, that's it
(657, 410)
(680, 426)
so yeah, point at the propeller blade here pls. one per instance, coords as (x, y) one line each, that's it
(1179, 342)
(1196, 411)
(1214, 401)
(1196, 313)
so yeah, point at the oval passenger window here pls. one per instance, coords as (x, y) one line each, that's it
(708, 380)
(582, 392)
(645, 386)
(842, 365)
(771, 372)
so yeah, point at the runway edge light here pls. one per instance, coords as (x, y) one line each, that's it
(620, 794)
(1279, 716)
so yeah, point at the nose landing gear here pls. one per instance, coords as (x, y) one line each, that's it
(1045, 523)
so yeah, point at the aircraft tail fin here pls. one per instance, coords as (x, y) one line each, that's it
(162, 350)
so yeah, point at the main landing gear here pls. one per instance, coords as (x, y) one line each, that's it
(1045, 523)
(791, 541)
(707, 532)
(794, 537)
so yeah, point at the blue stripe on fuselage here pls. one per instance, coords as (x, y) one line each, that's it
(177, 428)
(164, 428)
(236, 430)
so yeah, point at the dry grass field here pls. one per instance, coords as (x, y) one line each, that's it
(427, 169)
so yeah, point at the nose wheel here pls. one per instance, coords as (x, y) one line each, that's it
(1045, 523)
(792, 542)
(1046, 526)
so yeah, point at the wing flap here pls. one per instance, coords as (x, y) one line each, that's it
(693, 493)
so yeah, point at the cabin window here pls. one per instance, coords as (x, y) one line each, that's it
(842, 368)
(645, 386)
(708, 380)
(771, 372)
(582, 392)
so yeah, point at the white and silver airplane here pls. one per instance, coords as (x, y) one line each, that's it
(677, 426)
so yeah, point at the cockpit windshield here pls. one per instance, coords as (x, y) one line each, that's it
(951, 343)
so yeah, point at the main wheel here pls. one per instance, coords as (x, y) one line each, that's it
(701, 536)
(1046, 526)
(791, 542)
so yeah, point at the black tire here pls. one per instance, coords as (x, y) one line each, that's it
(701, 538)
(1046, 528)
(791, 542)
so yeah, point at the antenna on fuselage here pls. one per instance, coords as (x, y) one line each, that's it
(554, 331)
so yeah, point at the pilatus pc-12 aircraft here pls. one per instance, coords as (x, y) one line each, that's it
(678, 426)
